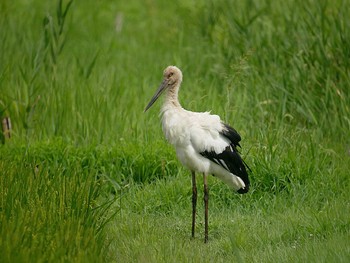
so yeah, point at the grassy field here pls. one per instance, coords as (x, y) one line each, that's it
(88, 177)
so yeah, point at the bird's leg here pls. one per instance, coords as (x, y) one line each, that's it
(206, 199)
(194, 201)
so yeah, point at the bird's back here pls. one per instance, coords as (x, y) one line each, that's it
(182, 127)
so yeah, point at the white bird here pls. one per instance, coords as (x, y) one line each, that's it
(202, 141)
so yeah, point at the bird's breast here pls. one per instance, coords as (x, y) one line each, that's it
(175, 127)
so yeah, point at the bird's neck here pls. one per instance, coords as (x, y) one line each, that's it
(172, 99)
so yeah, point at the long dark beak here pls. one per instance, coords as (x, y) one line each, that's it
(159, 91)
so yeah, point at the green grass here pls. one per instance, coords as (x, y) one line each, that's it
(87, 177)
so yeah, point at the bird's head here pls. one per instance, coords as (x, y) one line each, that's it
(172, 79)
(172, 75)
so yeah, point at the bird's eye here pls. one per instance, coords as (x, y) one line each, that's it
(171, 74)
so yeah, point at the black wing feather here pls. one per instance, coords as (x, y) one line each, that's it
(230, 158)
(231, 134)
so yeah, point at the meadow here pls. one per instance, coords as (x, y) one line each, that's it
(88, 177)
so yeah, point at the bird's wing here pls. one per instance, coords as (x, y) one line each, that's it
(218, 142)
(204, 130)
(231, 134)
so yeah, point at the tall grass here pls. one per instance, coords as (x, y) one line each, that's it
(299, 53)
(74, 79)
(51, 206)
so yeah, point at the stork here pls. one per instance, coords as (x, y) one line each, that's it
(202, 141)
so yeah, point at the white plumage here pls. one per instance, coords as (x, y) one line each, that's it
(202, 141)
(192, 133)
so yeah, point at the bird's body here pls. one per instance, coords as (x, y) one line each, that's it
(192, 134)
(202, 141)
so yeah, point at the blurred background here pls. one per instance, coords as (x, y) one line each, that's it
(84, 70)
